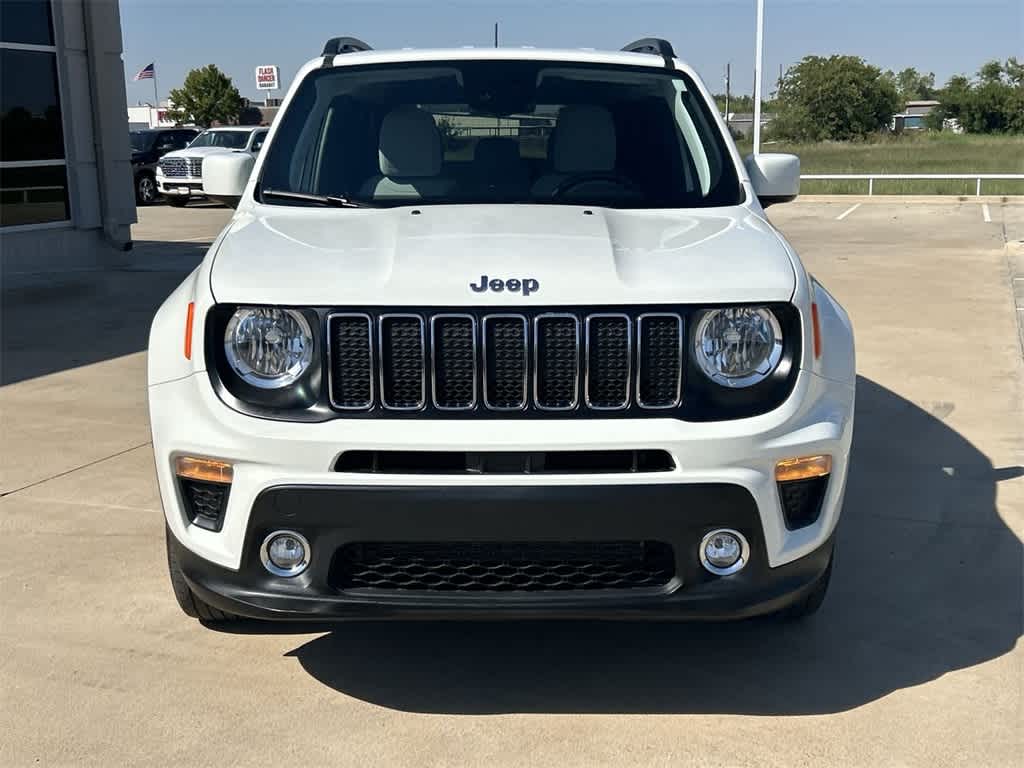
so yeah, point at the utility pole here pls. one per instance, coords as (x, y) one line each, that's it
(495, 34)
(758, 62)
(728, 83)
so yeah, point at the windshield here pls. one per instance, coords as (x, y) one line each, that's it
(142, 140)
(502, 132)
(228, 139)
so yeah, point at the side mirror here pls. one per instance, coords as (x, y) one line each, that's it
(776, 178)
(225, 175)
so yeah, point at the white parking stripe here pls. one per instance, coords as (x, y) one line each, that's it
(847, 212)
(986, 212)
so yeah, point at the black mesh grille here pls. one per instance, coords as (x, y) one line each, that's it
(505, 384)
(402, 362)
(660, 361)
(454, 362)
(608, 349)
(558, 362)
(205, 502)
(503, 566)
(530, 362)
(801, 500)
(351, 362)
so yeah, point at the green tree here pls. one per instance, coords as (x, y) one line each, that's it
(838, 98)
(912, 85)
(991, 72)
(992, 104)
(206, 97)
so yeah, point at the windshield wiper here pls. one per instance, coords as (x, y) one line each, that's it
(337, 201)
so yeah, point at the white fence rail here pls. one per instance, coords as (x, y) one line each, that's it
(871, 177)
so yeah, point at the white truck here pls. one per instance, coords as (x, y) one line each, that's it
(179, 174)
(500, 333)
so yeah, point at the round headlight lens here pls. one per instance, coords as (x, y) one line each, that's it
(738, 346)
(268, 347)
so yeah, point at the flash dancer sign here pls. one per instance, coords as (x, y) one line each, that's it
(266, 77)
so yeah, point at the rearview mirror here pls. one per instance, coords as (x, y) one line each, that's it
(225, 176)
(776, 177)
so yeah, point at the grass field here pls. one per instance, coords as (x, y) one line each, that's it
(920, 153)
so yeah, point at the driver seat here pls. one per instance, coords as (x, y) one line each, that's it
(584, 142)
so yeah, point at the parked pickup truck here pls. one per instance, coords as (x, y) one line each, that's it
(500, 333)
(179, 175)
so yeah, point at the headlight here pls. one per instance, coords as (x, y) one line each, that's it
(738, 346)
(268, 347)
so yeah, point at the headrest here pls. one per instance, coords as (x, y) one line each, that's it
(584, 140)
(410, 144)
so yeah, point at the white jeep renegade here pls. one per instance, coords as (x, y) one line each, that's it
(500, 333)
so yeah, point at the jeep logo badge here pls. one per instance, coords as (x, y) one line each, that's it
(526, 285)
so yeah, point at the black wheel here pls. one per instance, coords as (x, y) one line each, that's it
(811, 602)
(177, 202)
(187, 599)
(145, 189)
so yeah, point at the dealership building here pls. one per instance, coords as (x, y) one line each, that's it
(66, 198)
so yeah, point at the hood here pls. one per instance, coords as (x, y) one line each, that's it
(431, 256)
(200, 151)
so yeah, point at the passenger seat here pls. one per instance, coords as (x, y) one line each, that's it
(409, 154)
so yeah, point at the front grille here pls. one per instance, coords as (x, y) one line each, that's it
(403, 367)
(505, 362)
(489, 566)
(182, 167)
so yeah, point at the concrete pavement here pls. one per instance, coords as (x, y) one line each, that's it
(915, 658)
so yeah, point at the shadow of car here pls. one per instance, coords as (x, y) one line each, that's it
(928, 580)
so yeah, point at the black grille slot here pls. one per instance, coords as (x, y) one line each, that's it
(403, 371)
(557, 365)
(801, 500)
(205, 502)
(608, 361)
(351, 361)
(454, 340)
(659, 383)
(505, 341)
(488, 566)
(504, 462)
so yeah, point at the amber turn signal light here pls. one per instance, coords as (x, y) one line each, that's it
(207, 470)
(189, 318)
(803, 468)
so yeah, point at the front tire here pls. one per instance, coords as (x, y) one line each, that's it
(188, 601)
(146, 192)
(177, 202)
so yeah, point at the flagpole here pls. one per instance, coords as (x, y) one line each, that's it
(156, 98)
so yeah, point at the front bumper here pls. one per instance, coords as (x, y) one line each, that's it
(677, 515)
(188, 186)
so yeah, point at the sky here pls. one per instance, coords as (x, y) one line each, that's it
(940, 36)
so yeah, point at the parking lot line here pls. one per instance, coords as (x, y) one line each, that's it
(847, 212)
(986, 213)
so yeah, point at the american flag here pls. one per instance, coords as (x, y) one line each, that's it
(146, 73)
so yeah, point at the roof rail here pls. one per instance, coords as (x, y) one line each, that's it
(337, 45)
(654, 45)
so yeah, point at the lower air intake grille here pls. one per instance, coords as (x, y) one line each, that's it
(205, 502)
(801, 500)
(482, 566)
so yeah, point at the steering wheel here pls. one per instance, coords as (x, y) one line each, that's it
(578, 179)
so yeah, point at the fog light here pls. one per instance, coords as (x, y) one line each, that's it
(285, 553)
(724, 551)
